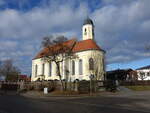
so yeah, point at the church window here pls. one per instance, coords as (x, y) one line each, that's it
(148, 73)
(73, 67)
(43, 69)
(103, 63)
(62, 67)
(80, 67)
(36, 69)
(85, 31)
(57, 68)
(93, 32)
(91, 64)
(66, 68)
(50, 69)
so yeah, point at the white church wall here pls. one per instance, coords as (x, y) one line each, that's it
(53, 75)
(39, 62)
(46, 72)
(84, 56)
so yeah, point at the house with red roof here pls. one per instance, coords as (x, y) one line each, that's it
(90, 60)
(24, 78)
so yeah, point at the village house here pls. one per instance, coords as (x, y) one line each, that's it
(122, 75)
(90, 60)
(143, 73)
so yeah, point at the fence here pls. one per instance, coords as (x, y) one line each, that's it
(90, 86)
(133, 83)
(79, 86)
(13, 86)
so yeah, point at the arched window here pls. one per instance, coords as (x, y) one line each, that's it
(36, 69)
(93, 32)
(148, 73)
(91, 64)
(43, 69)
(66, 68)
(85, 31)
(50, 69)
(80, 67)
(73, 67)
(103, 63)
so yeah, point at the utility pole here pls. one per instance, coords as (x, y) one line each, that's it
(91, 77)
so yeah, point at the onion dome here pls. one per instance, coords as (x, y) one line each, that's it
(88, 21)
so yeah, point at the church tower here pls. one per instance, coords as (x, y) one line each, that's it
(88, 29)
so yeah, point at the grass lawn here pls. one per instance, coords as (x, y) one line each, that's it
(139, 88)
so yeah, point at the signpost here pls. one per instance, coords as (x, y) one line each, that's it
(91, 77)
(45, 90)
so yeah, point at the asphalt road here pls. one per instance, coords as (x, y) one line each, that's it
(13, 103)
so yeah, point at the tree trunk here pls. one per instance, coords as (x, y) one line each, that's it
(58, 72)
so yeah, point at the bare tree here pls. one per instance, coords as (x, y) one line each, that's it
(142, 76)
(57, 51)
(9, 71)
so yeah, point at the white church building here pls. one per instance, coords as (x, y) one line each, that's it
(90, 60)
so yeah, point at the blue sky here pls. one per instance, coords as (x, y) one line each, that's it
(121, 28)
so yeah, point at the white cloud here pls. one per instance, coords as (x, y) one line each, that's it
(27, 28)
(8, 44)
(126, 22)
(40, 21)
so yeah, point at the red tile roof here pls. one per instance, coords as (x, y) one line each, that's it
(23, 76)
(44, 51)
(85, 45)
(77, 46)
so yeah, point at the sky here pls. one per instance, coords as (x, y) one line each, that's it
(122, 28)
